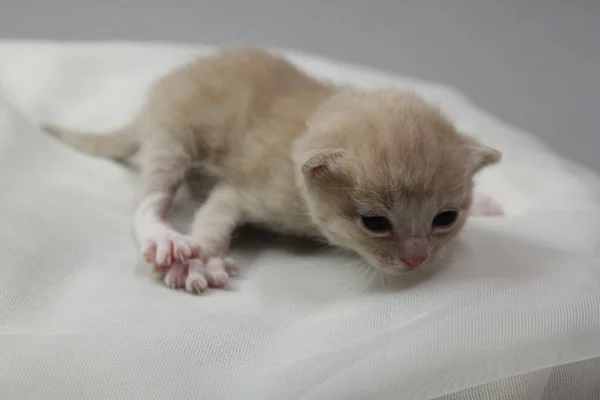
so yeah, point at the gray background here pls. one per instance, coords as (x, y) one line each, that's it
(533, 63)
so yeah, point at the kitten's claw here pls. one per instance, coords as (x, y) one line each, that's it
(196, 282)
(486, 206)
(167, 248)
(197, 275)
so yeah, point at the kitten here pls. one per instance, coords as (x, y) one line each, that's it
(381, 173)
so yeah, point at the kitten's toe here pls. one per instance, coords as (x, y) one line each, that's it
(216, 274)
(175, 277)
(164, 252)
(196, 282)
(149, 251)
(181, 251)
(169, 247)
(231, 266)
(185, 248)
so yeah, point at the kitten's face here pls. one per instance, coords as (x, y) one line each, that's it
(388, 177)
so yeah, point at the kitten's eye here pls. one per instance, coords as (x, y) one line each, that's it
(376, 224)
(445, 219)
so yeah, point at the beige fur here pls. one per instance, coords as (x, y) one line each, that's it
(294, 155)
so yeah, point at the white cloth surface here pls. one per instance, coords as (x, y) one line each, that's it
(515, 314)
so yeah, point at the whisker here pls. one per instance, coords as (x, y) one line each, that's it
(383, 281)
(357, 277)
(368, 281)
(350, 270)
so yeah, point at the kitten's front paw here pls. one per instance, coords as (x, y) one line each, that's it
(214, 273)
(486, 206)
(168, 247)
(196, 276)
(176, 275)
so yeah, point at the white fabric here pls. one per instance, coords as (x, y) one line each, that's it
(514, 315)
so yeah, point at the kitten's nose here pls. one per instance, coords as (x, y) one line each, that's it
(413, 262)
(415, 252)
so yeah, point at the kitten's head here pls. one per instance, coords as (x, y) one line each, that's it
(387, 175)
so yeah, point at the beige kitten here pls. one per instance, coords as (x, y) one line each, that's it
(381, 173)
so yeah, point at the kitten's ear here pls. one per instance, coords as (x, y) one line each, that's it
(481, 155)
(321, 165)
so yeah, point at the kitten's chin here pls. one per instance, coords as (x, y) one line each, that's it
(395, 270)
(389, 269)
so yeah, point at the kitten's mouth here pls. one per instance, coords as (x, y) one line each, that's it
(396, 266)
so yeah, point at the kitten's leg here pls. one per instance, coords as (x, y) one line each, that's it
(213, 225)
(484, 205)
(163, 165)
(215, 221)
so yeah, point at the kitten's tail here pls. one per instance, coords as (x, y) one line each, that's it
(118, 145)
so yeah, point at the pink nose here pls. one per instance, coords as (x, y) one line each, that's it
(413, 262)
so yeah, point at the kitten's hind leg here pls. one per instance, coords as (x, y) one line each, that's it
(163, 165)
(213, 225)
